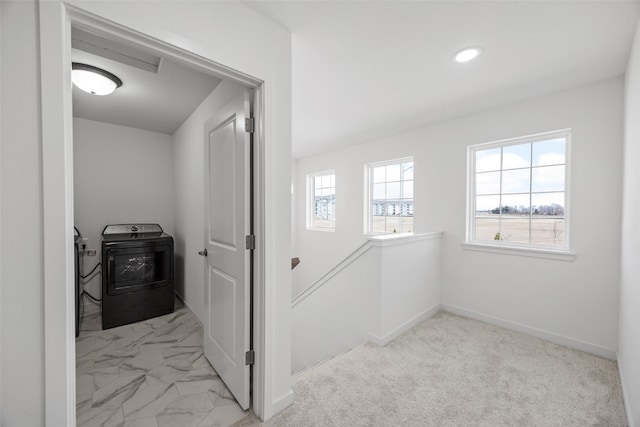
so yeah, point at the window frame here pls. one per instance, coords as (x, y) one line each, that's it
(368, 194)
(518, 248)
(311, 197)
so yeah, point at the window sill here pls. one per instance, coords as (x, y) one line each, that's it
(561, 255)
(382, 240)
(323, 230)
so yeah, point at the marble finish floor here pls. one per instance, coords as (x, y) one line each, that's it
(148, 374)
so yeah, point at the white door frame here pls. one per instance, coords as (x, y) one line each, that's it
(56, 19)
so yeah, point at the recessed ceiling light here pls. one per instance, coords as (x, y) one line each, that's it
(467, 54)
(94, 80)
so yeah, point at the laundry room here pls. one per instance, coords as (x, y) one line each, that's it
(128, 155)
(141, 183)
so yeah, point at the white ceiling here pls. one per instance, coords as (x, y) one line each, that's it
(367, 69)
(158, 102)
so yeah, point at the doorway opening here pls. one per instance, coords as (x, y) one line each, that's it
(227, 81)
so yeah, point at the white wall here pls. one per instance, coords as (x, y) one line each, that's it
(382, 290)
(629, 346)
(319, 251)
(188, 151)
(122, 175)
(21, 305)
(577, 300)
(339, 315)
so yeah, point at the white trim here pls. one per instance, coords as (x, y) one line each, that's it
(627, 405)
(382, 341)
(549, 336)
(531, 252)
(384, 240)
(261, 370)
(55, 25)
(57, 181)
(283, 402)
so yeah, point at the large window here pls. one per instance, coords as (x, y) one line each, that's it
(518, 192)
(321, 208)
(390, 200)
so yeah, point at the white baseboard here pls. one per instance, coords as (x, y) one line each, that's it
(549, 336)
(282, 402)
(382, 341)
(627, 404)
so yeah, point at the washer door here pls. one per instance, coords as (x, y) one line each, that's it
(139, 268)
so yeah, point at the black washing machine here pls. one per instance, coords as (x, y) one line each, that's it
(137, 273)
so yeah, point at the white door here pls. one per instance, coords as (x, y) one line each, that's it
(227, 224)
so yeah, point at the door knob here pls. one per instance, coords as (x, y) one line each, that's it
(203, 253)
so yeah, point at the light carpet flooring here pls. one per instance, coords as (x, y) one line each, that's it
(453, 371)
(148, 374)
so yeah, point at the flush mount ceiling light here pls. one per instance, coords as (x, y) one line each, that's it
(467, 54)
(94, 80)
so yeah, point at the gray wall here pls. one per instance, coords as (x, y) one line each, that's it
(629, 353)
(21, 281)
(121, 175)
(188, 209)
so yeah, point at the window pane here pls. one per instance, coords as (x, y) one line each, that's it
(378, 208)
(393, 172)
(378, 174)
(407, 208)
(407, 170)
(551, 152)
(407, 190)
(516, 181)
(547, 205)
(547, 231)
(516, 156)
(487, 228)
(488, 204)
(379, 191)
(378, 224)
(516, 205)
(326, 181)
(333, 180)
(393, 191)
(514, 229)
(488, 160)
(488, 183)
(407, 224)
(393, 225)
(548, 178)
(317, 182)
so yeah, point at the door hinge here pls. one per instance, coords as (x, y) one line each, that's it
(250, 357)
(249, 124)
(250, 242)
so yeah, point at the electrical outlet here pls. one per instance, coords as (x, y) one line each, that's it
(90, 252)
